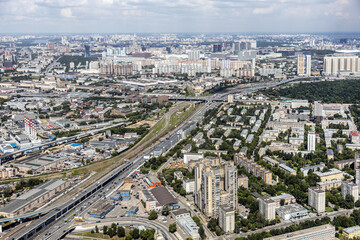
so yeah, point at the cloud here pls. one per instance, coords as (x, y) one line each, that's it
(263, 10)
(66, 12)
(180, 15)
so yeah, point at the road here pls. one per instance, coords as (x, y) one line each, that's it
(139, 221)
(55, 223)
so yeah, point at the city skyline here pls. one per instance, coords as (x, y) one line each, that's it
(133, 16)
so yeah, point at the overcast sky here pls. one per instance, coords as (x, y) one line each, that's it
(130, 16)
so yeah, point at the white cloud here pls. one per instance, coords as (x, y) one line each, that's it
(66, 12)
(263, 10)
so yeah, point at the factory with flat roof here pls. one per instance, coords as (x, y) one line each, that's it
(34, 198)
(156, 198)
(101, 208)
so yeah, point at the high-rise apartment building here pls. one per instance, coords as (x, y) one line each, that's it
(304, 65)
(194, 54)
(350, 188)
(117, 69)
(340, 63)
(267, 208)
(311, 141)
(215, 186)
(227, 219)
(357, 168)
(316, 199)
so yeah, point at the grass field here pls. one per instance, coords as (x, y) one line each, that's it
(176, 118)
(155, 129)
(97, 235)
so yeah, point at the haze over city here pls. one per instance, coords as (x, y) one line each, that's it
(180, 119)
(109, 16)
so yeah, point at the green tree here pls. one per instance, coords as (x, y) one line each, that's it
(120, 231)
(153, 215)
(96, 229)
(135, 233)
(172, 228)
(128, 236)
(110, 232)
(165, 211)
(105, 229)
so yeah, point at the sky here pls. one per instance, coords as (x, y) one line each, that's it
(136, 16)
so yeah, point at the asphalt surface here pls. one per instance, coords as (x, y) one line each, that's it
(58, 228)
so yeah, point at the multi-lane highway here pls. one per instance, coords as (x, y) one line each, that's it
(53, 224)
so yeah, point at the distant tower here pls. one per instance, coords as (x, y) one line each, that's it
(311, 141)
(87, 51)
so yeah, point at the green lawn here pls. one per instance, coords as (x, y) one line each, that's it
(176, 118)
(155, 129)
(329, 209)
(97, 235)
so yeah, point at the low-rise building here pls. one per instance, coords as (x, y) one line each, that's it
(332, 174)
(328, 185)
(351, 232)
(189, 185)
(315, 233)
(292, 211)
(288, 199)
(185, 221)
(152, 181)
(34, 198)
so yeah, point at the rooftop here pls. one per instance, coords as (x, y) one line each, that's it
(163, 196)
(352, 229)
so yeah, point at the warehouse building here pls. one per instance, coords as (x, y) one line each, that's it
(34, 198)
(101, 208)
(157, 198)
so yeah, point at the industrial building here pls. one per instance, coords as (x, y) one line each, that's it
(101, 208)
(125, 191)
(152, 181)
(34, 198)
(156, 198)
